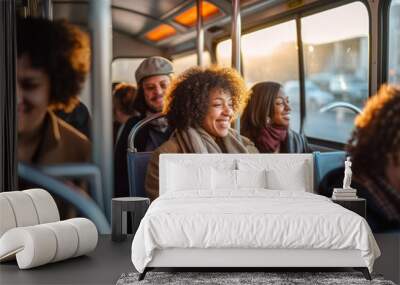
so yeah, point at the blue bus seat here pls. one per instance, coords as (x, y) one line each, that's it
(325, 162)
(137, 167)
(137, 161)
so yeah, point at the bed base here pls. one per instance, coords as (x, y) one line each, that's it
(363, 270)
(242, 259)
(143, 274)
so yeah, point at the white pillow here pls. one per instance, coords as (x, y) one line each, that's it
(224, 179)
(251, 178)
(295, 178)
(184, 177)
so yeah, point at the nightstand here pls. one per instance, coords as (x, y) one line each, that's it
(357, 205)
(137, 206)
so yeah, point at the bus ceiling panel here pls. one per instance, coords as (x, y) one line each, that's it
(130, 23)
(176, 41)
(224, 5)
(77, 13)
(181, 48)
(274, 9)
(173, 41)
(70, 1)
(126, 46)
(188, 17)
(178, 21)
(256, 13)
(153, 8)
(245, 3)
(189, 34)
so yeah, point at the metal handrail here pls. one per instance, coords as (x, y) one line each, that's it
(345, 105)
(200, 33)
(100, 26)
(83, 204)
(82, 170)
(47, 9)
(137, 127)
(236, 32)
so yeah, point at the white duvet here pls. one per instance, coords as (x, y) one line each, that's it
(252, 218)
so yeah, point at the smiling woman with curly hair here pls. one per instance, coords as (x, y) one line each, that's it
(375, 151)
(53, 60)
(189, 96)
(200, 105)
(52, 64)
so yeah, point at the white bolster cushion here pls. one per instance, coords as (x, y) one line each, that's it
(22, 207)
(67, 240)
(26, 208)
(87, 235)
(7, 218)
(45, 205)
(33, 246)
(40, 244)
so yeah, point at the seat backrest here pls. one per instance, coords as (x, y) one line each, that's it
(136, 128)
(137, 168)
(137, 161)
(325, 162)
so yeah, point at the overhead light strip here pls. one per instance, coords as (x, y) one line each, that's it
(188, 17)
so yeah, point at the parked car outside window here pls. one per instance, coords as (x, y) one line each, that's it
(316, 98)
(349, 88)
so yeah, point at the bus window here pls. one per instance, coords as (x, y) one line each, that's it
(123, 69)
(336, 64)
(270, 54)
(181, 63)
(394, 43)
(224, 53)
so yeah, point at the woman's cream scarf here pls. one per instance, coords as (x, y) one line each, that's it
(197, 140)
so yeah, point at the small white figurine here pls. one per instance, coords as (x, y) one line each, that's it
(347, 174)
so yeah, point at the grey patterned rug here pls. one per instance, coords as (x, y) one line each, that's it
(229, 278)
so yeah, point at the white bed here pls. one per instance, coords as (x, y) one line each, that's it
(226, 211)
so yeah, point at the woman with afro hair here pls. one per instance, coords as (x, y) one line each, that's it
(52, 64)
(200, 105)
(375, 151)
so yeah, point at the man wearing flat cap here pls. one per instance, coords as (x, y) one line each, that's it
(153, 76)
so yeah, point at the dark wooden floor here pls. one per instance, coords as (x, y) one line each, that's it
(102, 266)
(389, 263)
(110, 260)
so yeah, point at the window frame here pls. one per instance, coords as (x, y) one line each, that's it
(188, 53)
(128, 57)
(383, 39)
(297, 15)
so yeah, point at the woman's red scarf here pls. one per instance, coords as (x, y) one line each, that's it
(271, 136)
